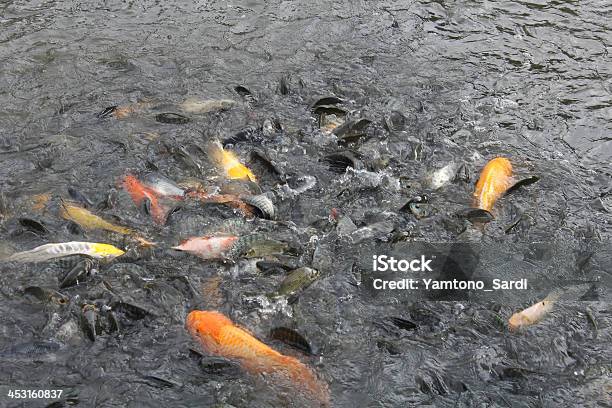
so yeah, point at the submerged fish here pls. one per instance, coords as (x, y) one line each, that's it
(89, 221)
(39, 201)
(296, 281)
(219, 336)
(230, 200)
(256, 246)
(122, 112)
(533, 314)
(208, 247)
(195, 105)
(495, 179)
(230, 164)
(51, 251)
(441, 177)
(141, 194)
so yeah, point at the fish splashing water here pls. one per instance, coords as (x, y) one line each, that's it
(495, 179)
(533, 314)
(141, 194)
(232, 167)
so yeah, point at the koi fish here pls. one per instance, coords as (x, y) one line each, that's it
(39, 201)
(90, 221)
(218, 335)
(533, 314)
(494, 180)
(142, 194)
(51, 251)
(230, 164)
(207, 247)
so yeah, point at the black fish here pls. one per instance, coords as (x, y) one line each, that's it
(80, 197)
(33, 226)
(522, 183)
(292, 338)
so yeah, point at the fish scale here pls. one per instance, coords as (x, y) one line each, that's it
(243, 344)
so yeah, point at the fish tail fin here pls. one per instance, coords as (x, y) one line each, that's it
(16, 257)
(303, 375)
(34, 255)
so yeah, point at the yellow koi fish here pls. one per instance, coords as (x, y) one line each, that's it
(90, 221)
(230, 164)
(51, 251)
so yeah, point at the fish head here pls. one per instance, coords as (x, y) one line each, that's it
(495, 179)
(502, 165)
(206, 323)
(107, 251)
(240, 172)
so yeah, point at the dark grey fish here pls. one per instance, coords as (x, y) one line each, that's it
(89, 319)
(340, 161)
(47, 295)
(522, 183)
(263, 206)
(327, 100)
(76, 195)
(30, 350)
(78, 273)
(172, 118)
(34, 226)
(292, 338)
(296, 281)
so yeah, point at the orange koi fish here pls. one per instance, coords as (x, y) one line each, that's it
(495, 179)
(207, 247)
(139, 193)
(218, 335)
